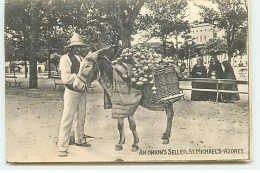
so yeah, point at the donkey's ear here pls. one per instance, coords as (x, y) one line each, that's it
(104, 49)
(94, 55)
(88, 55)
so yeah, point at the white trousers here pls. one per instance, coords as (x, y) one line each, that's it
(74, 109)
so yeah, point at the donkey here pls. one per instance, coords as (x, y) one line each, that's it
(108, 73)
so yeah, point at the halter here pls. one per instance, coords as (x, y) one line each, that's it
(83, 80)
(98, 74)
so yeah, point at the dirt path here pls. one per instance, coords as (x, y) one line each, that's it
(33, 117)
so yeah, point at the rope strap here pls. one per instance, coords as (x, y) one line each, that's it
(81, 79)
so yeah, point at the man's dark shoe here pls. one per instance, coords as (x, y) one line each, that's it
(84, 144)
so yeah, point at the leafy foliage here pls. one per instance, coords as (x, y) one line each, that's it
(231, 16)
(45, 26)
(165, 19)
(215, 47)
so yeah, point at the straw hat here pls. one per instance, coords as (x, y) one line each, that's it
(76, 40)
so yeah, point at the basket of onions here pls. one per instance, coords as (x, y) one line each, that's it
(155, 76)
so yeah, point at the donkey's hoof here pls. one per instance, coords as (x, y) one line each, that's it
(134, 148)
(165, 141)
(118, 148)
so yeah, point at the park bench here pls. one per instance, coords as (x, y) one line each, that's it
(11, 81)
(217, 82)
(58, 82)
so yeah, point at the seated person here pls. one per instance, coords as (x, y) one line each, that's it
(215, 72)
(198, 71)
(229, 74)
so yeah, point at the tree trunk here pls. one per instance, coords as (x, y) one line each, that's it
(230, 55)
(126, 36)
(25, 66)
(115, 50)
(125, 29)
(25, 59)
(164, 46)
(33, 83)
(177, 48)
(49, 67)
(115, 43)
(229, 51)
(126, 21)
(230, 42)
(49, 63)
(34, 33)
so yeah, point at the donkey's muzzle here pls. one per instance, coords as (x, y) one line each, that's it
(79, 85)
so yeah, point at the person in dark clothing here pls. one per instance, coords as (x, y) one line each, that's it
(198, 71)
(215, 72)
(229, 74)
(215, 69)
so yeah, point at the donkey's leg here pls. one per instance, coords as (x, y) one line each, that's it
(121, 130)
(170, 114)
(132, 126)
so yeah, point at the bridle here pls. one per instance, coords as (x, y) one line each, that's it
(83, 80)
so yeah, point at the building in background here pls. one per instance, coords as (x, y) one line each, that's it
(19, 67)
(203, 32)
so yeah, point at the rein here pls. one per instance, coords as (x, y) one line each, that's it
(84, 82)
(95, 62)
(81, 79)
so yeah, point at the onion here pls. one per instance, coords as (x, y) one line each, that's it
(139, 83)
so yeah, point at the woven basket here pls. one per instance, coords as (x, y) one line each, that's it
(167, 87)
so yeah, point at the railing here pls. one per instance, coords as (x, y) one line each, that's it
(217, 82)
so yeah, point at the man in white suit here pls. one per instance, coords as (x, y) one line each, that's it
(74, 101)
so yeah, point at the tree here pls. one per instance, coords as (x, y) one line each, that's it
(114, 19)
(43, 23)
(12, 48)
(97, 21)
(25, 19)
(16, 17)
(231, 16)
(241, 40)
(215, 47)
(38, 25)
(49, 33)
(107, 25)
(128, 11)
(34, 36)
(165, 19)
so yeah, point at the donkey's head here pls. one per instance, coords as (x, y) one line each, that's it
(88, 70)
